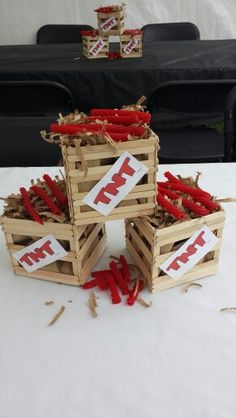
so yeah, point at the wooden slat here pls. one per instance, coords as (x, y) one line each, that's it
(119, 210)
(200, 271)
(107, 154)
(92, 260)
(114, 217)
(49, 276)
(137, 189)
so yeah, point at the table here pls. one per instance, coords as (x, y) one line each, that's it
(112, 83)
(175, 359)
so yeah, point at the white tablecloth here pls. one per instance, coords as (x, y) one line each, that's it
(175, 359)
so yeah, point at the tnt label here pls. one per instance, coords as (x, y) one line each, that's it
(116, 184)
(97, 47)
(130, 46)
(41, 253)
(108, 24)
(191, 252)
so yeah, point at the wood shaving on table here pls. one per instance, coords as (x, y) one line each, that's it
(143, 302)
(232, 309)
(186, 289)
(92, 304)
(50, 302)
(57, 316)
(226, 200)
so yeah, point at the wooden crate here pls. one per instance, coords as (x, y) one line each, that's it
(91, 42)
(150, 247)
(127, 50)
(99, 159)
(117, 30)
(84, 244)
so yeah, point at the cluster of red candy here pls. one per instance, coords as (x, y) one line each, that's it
(200, 203)
(61, 198)
(119, 124)
(107, 9)
(117, 278)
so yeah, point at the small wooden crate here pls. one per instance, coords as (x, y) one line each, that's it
(91, 42)
(150, 247)
(131, 45)
(84, 244)
(117, 30)
(100, 158)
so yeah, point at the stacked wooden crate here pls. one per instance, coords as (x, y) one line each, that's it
(111, 22)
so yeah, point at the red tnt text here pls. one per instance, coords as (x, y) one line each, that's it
(38, 254)
(190, 250)
(117, 181)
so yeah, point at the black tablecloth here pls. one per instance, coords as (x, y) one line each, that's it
(110, 83)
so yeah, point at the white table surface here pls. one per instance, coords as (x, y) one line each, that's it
(176, 359)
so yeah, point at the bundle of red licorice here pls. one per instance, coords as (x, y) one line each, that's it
(120, 125)
(92, 33)
(117, 280)
(109, 9)
(195, 202)
(44, 201)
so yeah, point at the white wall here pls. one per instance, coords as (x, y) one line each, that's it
(20, 19)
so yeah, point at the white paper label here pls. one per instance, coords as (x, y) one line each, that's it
(96, 48)
(108, 24)
(116, 184)
(40, 253)
(130, 46)
(198, 245)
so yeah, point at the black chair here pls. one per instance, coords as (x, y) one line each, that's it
(26, 108)
(230, 124)
(61, 34)
(189, 118)
(180, 31)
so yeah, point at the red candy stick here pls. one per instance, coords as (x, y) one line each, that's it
(119, 278)
(210, 204)
(134, 293)
(189, 190)
(94, 282)
(28, 206)
(115, 297)
(143, 116)
(169, 207)
(62, 199)
(49, 202)
(123, 120)
(125, 268)
(168, 193)
(193, 207)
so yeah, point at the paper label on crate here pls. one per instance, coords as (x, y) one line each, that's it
(130, 46)
(108, 24)
(190, 253)
(96, 48)
(41, 253)
(116, 184)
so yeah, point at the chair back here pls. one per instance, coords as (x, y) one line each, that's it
(192, 108)
(179, 31)
(230, 124)
(26, 108)
(61, 34)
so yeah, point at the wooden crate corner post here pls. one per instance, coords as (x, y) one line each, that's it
(150, 247)
(99, 159)
(84, 245)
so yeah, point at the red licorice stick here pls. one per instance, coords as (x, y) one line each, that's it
(123, 120)
(119, 278)
(89, 32)
(94, 282)
(125, 268)
(178, 214)
(47, 199)
(168, 193)
(175, 180)
(28, 206)
(143, 116)
(189, 190)
(95, 127)
(193, 207)
(115, 297)
(138, 286)
(62, 199)
(210, 204)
